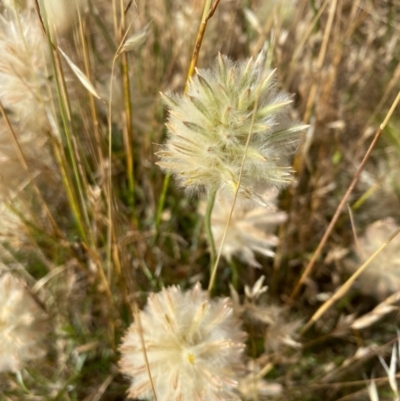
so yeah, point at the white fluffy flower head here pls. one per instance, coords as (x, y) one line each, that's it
(23, 71)
(23, 325)
(382, 277)
(208, 129)
(250, 231)
(193, 345)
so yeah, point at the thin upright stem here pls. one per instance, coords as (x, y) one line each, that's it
(207, 226)
(128, 131)
(160, 207)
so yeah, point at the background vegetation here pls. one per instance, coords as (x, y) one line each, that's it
(92, 225)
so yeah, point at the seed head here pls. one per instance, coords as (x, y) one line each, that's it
(208, 129)
(193, 346)
(278, 326)
(23, 325)
(23, 71)
(251, 229)
(382, 276)
(11, 229)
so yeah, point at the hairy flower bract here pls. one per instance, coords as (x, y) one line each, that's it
(193, 346)
(23, 67)
(209, 126)
(251, 229)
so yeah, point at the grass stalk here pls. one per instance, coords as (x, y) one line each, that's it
(72, 151)
(160, 205)
(320, 61)
(66, 120)
(208, 12)
(80, 207)
(71, 195)
(110, 228)
(128, 131)
(25, 166)
(93, 111)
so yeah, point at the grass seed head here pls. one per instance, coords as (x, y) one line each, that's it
(193, 345)
(382, 277)
(23, 67)
(209, 126)
(251, 229)
(23, 325)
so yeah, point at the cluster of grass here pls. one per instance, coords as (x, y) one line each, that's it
(92, 225)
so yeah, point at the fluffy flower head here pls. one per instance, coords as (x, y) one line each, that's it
(208, 129)
(382, 276)
(22, 65)
(250, 231)
(193, 346)
(11, 229)
(23, 325)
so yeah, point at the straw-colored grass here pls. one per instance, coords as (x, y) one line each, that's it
(92, 225)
